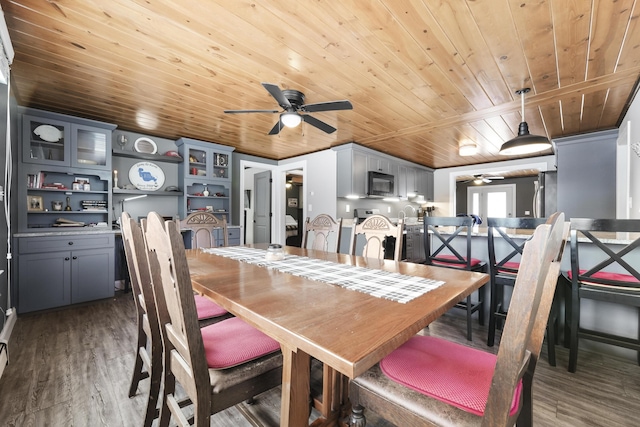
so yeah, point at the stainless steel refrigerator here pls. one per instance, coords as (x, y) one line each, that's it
(545, 198)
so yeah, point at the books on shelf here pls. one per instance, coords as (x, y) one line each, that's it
(35, 180)
(94, 205)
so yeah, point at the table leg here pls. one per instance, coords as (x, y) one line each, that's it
(294, 407)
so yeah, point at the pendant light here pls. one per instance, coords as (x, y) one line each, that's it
(524, 143)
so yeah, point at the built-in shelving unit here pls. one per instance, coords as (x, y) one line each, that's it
(205, 175)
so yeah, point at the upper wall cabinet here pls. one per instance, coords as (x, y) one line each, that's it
(354, 161)
(58, 140)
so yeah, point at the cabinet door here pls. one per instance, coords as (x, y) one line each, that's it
(44, 281)
(46, 141)
(359, 178)
(91, 147)
(92, 273)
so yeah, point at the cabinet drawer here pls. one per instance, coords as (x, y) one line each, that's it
(27, 245)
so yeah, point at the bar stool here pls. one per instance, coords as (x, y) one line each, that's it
(608, 276)
(440, 251)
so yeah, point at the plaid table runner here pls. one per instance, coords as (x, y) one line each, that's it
(382, 284)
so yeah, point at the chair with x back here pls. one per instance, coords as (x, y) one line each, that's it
(429, 381)
(451, 247)
(202, 226)
(603, 272)
(217, 366)
(322, 227)
(505, 251)
(376, 229)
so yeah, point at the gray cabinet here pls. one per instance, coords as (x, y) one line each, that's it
(414, 243)
(352, 173)
(55, 271)
(424, 184)
(205, 175)
(58, 140)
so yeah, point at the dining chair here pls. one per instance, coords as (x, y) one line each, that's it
(443, 248)
(376, 229)
(218, 366)
(435, 382)
(505, 252)
(603, 273)
(322, 226)
(148, 361)
(202, 226)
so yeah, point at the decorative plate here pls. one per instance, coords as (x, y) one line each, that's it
(145, 145)
(146, 176)
(48, 133)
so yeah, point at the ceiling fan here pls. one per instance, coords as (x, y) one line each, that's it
(481, 178)
(293, 109)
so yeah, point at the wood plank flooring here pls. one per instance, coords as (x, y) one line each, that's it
(72, 368)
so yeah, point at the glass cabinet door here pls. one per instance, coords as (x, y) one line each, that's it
(197, 163)
(46, 141)
(92, 146)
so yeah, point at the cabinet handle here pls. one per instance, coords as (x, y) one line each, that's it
(75, 257)
(70, 243)
(66, 258)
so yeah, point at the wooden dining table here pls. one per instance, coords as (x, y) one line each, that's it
(347, 330)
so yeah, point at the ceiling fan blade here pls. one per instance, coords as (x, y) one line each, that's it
(494, 177)
(318, 123)
(277, 95)
(250, 111)
(328, 106)
(276, 128)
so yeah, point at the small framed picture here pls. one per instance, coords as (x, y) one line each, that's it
(35, 204)
(292, 202)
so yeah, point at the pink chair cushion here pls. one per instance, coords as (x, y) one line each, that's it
(233, 342)
(452, 373)
(509, 264)
(207, 309)
(474, 261)
(620, 277)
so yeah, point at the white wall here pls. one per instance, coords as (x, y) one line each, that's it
(445, 179)
(628, 164)
(320, 182)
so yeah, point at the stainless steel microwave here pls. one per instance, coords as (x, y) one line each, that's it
(381, 184)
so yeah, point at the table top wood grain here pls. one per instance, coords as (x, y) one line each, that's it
(348, 330)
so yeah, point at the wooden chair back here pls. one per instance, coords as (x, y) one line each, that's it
(183, 345)
(526, 322)
(438, 246)
(202, 226)
(504, 263)
(322, 226)
(376, 229)
(148, 360)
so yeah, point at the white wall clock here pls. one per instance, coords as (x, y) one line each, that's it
(146, 176)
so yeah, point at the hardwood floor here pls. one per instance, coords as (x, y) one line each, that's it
(72, 368)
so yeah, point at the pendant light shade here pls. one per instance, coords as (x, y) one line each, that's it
(524, 143)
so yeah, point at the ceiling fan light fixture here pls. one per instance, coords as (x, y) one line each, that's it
(524, 143)
(290, 120)
(468, 148)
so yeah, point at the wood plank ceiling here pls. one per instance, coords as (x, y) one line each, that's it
(423, 75)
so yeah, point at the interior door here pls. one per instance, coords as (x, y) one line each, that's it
(495, 201)
(262, 212)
